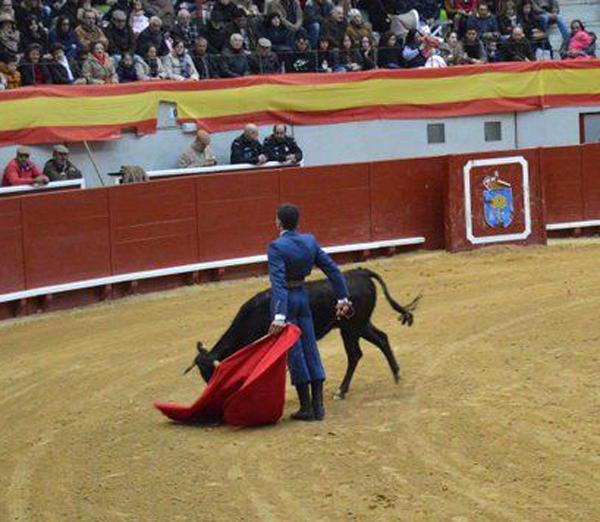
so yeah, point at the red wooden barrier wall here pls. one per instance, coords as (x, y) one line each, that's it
(55, 238)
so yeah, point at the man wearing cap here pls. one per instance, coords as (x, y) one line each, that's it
(22, 171)
(121, 38)
(59, 166)
(264, 60)
(199, 154)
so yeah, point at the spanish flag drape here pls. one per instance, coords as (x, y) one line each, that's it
(75, 113)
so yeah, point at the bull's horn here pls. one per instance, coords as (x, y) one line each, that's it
(189, 368)
(216, 363)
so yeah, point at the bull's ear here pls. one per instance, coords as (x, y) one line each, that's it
(200, 347)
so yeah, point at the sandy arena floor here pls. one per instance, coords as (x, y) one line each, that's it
(497, 418)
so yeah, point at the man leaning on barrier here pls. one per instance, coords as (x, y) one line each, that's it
(281, 147)
(22, 171)
(59, 167)
(199, 154)
(246, 148)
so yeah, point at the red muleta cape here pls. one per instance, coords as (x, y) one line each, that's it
(247, 388)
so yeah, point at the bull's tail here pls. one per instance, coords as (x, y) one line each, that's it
(406, 312)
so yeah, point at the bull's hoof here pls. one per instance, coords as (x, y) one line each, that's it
(339, 395)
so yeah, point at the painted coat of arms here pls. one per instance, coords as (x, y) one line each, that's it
(498, 201)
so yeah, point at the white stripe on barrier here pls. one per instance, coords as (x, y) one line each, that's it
(42, 188)
(573, 224)
(182, 269)
(217, 169)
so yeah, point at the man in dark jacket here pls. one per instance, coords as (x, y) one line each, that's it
(60, 68)
(206, 64)
(247, 28)
(281, 147)
(216, 34)
(120, 36)
(152, 35)
(59, 167)
(315, 15)
(264, 60)
(301, 59)
(334, 28)
(234, 61)
(246, 148)
(517, 48)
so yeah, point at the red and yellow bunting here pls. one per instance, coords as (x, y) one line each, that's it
(75, 113)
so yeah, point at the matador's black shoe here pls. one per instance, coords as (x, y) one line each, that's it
(305, 413)
(317, 400)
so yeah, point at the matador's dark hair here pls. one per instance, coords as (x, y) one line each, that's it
(289, 215)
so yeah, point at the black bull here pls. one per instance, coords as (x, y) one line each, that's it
(254, 317)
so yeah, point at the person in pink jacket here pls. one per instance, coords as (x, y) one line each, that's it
(22, 171)
(579, 42)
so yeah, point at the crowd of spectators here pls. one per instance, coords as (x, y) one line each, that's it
(118, 41)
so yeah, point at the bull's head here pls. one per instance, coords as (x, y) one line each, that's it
(204, 361)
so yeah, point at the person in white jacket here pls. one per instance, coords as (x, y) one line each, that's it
(178, 64)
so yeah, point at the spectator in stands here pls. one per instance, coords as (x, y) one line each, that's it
(86, 5)
(459, 11)
(153, 35)
(548, 13)
(289, 11)
(581, 44)
(126, 70)
(69, 10)
(281, 147)
(334, 28)
(121, 38)
(10, 71)
(34, 33)
(76, 65)
(216, 33)
(517, 48)
(389, 54)
(379, 12)
(234, 61)
(207, 65)
(508, 19)
(264, 60)
(163, 9)
(301, 59)
(59, 67)
(429, 11)
(348, 56)
(28, 8)
(179, 65)
(6, 7)
(368, 54)
(151, 67)
(484, 22)
(99, 68)
(138, 20)
(240, 25)
(474, 47)
(33, 70)
(224, 9)
(199, 154)
(185, 29)
(60, 167)
(64, 35)
(246, 148)
(493, 52)
(88, 33)
(10, 37)
(452, 51)
(22, 171)
(315, 14)
(412, 53)
(326, 56)
(277, 34)
(533, 27)
(357, 28)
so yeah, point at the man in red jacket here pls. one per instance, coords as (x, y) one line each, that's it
(22, 171)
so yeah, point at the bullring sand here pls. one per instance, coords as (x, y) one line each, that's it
(496, 418)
